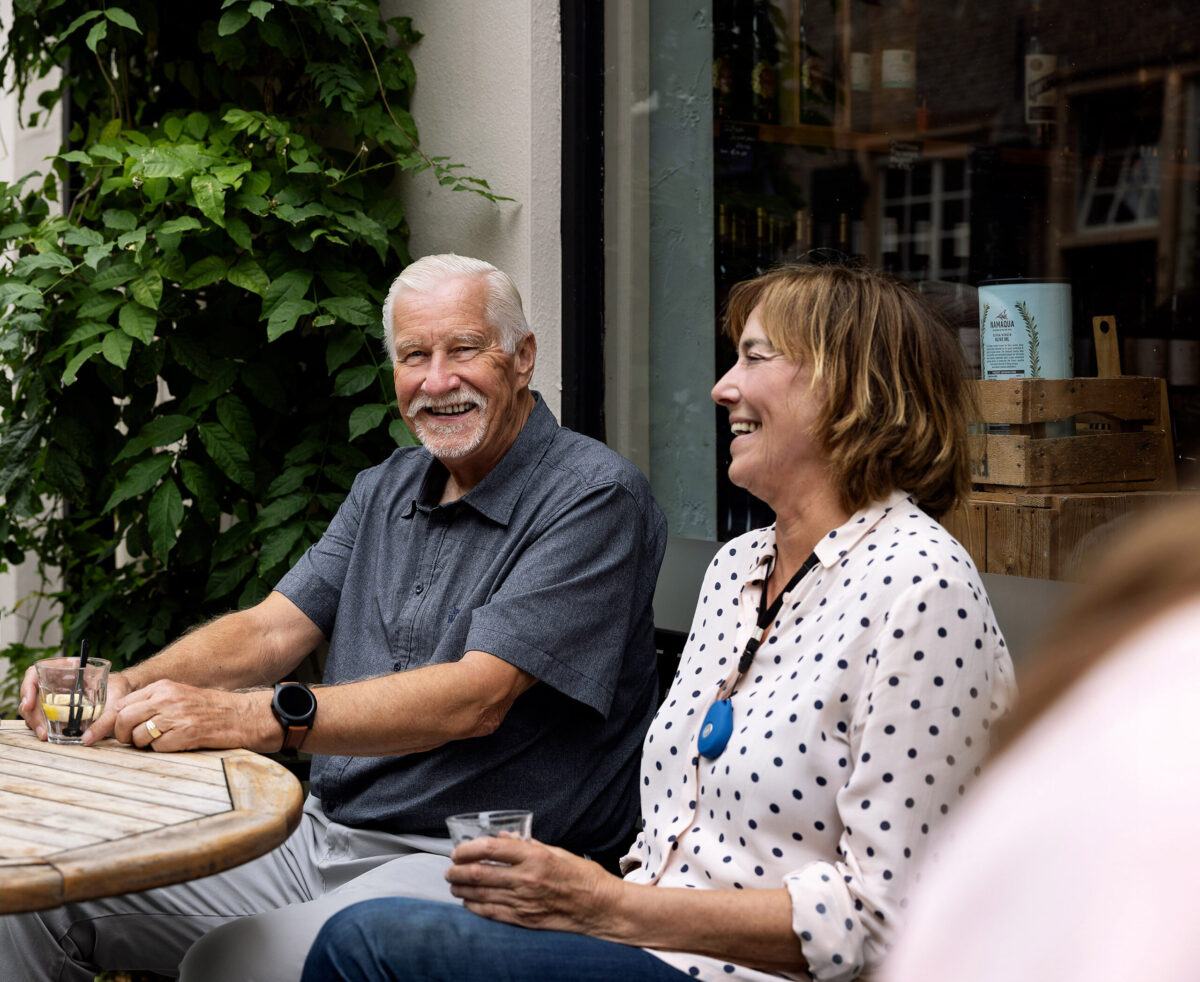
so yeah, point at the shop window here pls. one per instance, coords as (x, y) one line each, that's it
(953, 143)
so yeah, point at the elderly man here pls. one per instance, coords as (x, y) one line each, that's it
(487, 602)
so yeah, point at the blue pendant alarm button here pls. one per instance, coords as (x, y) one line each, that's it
(716, 729)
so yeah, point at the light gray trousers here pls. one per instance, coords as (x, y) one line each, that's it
(253, 923)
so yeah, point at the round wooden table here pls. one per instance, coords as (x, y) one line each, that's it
(83, 822)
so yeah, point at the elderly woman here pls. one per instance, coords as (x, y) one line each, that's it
(835, 696)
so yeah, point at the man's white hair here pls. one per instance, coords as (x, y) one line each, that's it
(503, 309)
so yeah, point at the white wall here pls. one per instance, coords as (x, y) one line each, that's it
(488, 95)
(22, 151)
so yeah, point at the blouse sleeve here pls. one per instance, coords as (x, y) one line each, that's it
(936, 680)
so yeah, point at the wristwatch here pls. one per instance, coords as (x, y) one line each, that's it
(295, 706)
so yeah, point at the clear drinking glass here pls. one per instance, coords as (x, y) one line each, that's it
(475, 825)
(71, 699)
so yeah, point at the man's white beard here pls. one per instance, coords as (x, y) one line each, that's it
(434, 434)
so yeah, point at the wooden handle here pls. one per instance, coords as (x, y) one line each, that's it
(1108, 353)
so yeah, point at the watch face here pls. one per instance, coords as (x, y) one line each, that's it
(295, 702)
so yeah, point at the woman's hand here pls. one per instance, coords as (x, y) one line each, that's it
(540, 886)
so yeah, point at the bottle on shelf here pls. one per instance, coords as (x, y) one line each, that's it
(1041, 93)
(731, 56)
(764, 72)
(894, 108)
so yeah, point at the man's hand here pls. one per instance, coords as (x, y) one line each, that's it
(187, 717)
(31, 710)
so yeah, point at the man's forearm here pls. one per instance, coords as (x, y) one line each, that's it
(245, 649)
(416, 710)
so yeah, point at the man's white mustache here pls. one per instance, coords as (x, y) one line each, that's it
(464, 393)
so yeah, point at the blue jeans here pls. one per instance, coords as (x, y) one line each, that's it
(424, 941)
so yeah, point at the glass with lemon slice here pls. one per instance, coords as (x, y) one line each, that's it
(72, 699)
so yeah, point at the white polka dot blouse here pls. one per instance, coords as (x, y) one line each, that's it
(862, 717)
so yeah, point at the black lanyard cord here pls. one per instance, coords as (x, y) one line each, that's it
(767, 614)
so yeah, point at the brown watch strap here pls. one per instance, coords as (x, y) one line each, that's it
(294, 736)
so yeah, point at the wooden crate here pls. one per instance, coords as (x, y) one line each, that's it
(1046, 536)
(1122, 439)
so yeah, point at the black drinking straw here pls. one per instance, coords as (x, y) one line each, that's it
(75, 719)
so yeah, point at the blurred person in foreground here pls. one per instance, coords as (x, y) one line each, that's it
(835, 695)
(1076, 857)
(487, 601)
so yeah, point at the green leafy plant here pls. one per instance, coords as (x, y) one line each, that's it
(191, 347)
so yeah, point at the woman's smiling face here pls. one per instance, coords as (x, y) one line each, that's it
(772, 406)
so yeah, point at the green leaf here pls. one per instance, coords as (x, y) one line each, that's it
(341, 348)
(164, 516)
(208, 270)
(363, 419)
(119, 219)
(260, 8)
(398, 430)
(80, 21)
(280, 510)
(108, 151)
(63, 473)
(229, 455)
(173, 127)
(122, 18)
(225, 579)
(96, 34)
(196, 480)
(98, 307)
(148, 290)
(353, 310)
(139, 479)
(292, 285)
(85, 329)
(121, 271)
(116, 347)
(353, 380)
(239, 231)
(20, 295)
(256, 183)
(237, 419)
(276, 546)
(290, 480)
(73, 366)
(18, 438)
(233, 21)
(197, 125)
(77, 236)
(97, 254)
(285, 315)
(232, 541)
(185, 224)
(158, 432)
(248, 275)
(210, 198)
(137, 321)
(44, 260)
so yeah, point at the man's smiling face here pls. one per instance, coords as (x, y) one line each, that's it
(463, 395)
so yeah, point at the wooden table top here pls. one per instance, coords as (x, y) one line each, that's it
(83, 822)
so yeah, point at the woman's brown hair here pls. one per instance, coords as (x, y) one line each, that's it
(897, 404)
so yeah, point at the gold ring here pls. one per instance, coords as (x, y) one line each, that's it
(153, 730)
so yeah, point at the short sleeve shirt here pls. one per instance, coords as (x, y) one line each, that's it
(550, 564)
(863, 715)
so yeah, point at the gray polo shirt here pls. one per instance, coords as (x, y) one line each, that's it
(549, 563)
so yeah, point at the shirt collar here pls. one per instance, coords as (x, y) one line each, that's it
(496, 496)
(832, 547)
